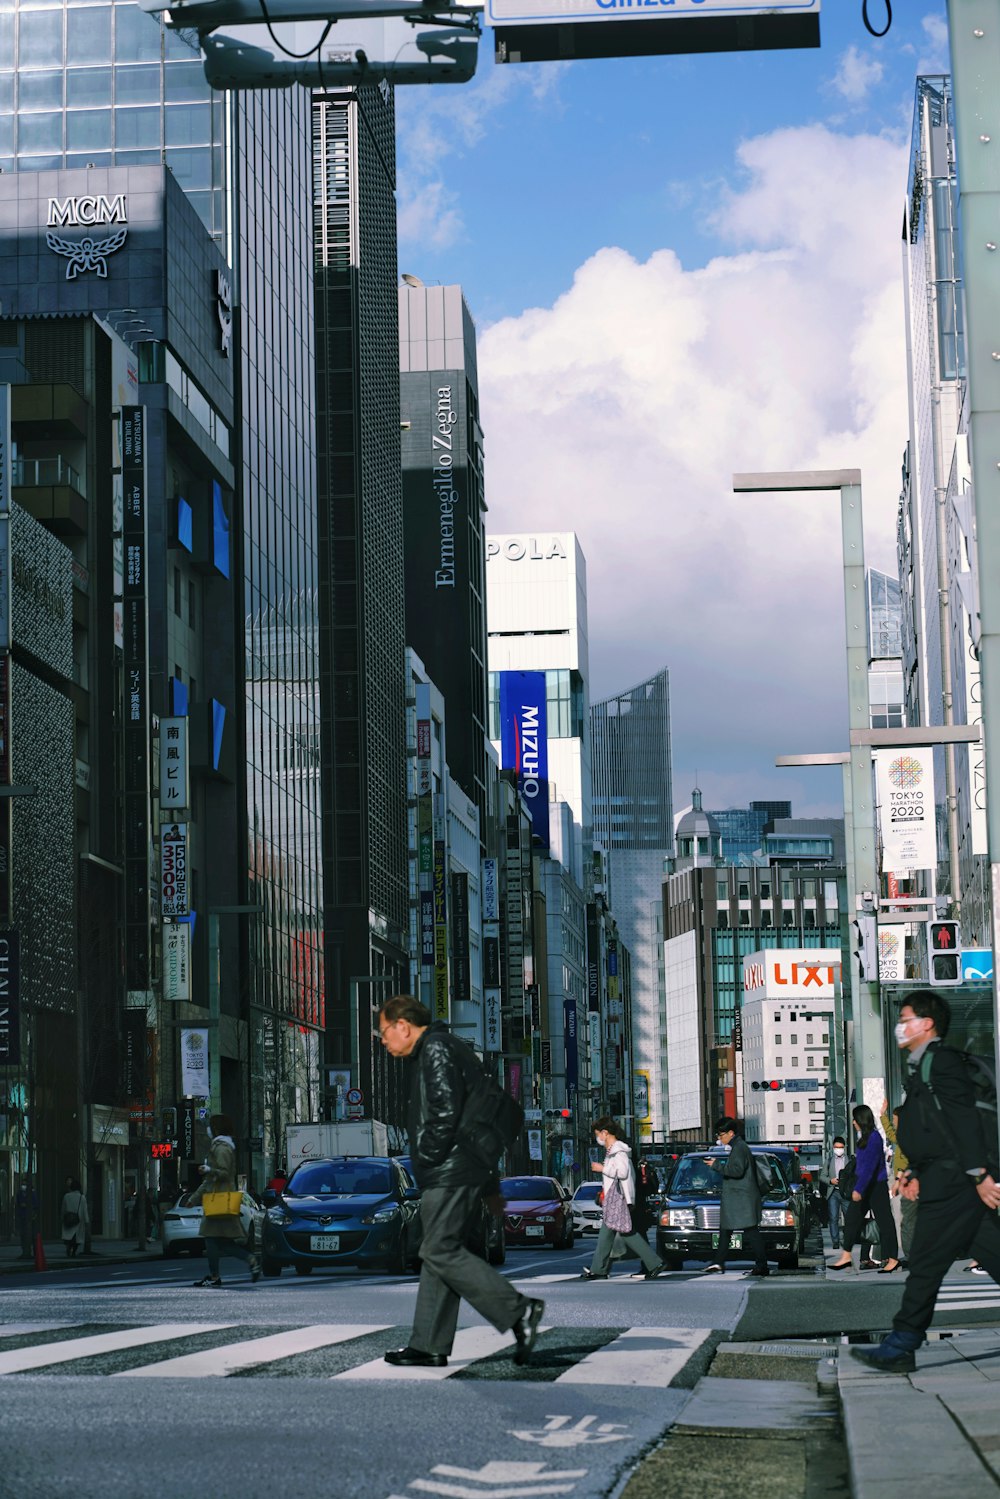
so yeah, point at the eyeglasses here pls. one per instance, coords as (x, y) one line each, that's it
(380, 1033)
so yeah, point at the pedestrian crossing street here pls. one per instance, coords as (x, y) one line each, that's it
(649, 1356)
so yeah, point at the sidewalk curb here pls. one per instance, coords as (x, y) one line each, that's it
(80, 1262)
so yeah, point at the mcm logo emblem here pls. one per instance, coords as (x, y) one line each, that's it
(86, 254)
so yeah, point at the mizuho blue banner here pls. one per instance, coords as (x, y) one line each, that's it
(524, 742)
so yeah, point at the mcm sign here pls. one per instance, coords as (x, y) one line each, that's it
(87, 254)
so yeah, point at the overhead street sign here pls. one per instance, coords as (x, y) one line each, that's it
(801, 1084)
(547, 30)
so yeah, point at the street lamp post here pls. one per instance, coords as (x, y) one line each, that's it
(861, 857)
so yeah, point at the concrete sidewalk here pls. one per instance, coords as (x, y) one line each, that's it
(103, 1252)
(933, 1432)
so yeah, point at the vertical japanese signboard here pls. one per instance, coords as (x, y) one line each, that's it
(174, 793)
(10, 999)
(572, 1051)
(461, 958)
(135, 719)
(441, 1006)
(5, 757)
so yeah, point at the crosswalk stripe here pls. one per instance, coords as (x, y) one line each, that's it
(17, 1360)
(632, 1356)
(21, 1329)
(649, 1356)
(471, 1343)
(233, 1356)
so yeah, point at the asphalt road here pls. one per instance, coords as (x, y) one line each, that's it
(124, 1381)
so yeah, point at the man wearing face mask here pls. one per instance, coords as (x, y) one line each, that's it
(951, 1176)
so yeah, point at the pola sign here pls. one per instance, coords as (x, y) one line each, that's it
(792, 973)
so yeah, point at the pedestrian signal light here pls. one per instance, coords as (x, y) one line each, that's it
(944, 958)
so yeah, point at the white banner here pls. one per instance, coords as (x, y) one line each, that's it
(177, 961)
(173, 764)
(534, 1145)
(195, 1081)
(173, 871)
(904, 782)
(891, 953)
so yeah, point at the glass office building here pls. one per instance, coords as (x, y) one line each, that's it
(100, 86)
(633, 822)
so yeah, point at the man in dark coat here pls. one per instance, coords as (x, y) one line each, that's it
(739, 1209)
(444, 1072)
(951, 1176)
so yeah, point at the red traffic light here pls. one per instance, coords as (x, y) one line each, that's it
(567, 1113)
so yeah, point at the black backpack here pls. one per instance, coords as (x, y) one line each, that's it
(491, 1119)
(983, 1082)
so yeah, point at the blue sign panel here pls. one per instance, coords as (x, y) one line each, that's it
(572, 1054)
(977, 965)
(801, 1084)
(524, 743)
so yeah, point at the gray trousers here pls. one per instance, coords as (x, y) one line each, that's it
(606, 1237)
(450, 1273)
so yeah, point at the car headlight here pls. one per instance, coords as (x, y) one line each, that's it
(279, 1216)
(679, 1218)
(777, 1218)
(383, 1215)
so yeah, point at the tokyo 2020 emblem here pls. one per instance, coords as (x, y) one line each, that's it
(888, 945)
(906, 773)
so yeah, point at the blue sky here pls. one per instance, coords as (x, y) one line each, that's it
(681, 268)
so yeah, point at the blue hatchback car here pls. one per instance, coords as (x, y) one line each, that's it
(350, 1210)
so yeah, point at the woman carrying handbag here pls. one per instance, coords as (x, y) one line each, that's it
(870, 1193)
(220, 1199)
(619, 1204)
(74, 1217)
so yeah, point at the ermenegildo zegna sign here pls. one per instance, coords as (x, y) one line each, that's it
(10, 999)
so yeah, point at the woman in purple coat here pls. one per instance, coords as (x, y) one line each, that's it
(871, 1191)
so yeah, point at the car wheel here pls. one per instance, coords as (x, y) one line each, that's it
(170, 1251)
(303, 1269)
(271, 1268)
(498, 1253)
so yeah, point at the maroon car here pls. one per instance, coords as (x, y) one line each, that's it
(539, 1211)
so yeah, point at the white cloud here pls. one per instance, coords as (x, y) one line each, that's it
(623, 410)
(857, 74)
(937, 59)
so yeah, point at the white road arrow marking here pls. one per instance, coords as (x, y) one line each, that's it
(519, 1480)
(558, 1433)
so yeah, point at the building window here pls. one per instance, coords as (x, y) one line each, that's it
(722, 890)
(809, 889)
(744, 918)
(809, 1038)
(722, 920)
(744, 890)
(781, 1108)
(809, 920)
(796, 1108)
(825, 1039)
(177, 592)
(787, 890)
(793, 1038)
(795, 1062)
(766, 918)
(777, 1061)
(788, 917)
(781, 1129)
(798, 1129)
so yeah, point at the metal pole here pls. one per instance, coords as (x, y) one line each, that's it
(869, 1050)
(974, 33)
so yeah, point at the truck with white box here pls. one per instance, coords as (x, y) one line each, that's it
(318, 1142)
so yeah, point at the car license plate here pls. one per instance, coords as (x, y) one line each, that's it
(535, 1232)
(324, 1243)
(735, 1241)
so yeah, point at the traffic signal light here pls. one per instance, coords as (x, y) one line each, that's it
(558, 1113)
(169, 1124)
(943, 956)
(773, 1086)
(864, 941)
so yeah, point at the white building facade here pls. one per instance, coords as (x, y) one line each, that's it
(788, 1017)
(536, 597)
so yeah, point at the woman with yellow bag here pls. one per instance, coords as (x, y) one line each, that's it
(220, 1204)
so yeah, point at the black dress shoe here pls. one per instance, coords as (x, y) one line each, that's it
(526, 1331)
(415, 1358)
(886, 1359)
(589, 1275)
(757, 1273)
(661, 1269)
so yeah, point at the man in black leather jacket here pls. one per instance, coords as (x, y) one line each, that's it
(443, 1072)
(951, 1176)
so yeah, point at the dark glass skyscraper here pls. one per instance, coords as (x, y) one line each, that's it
(361, 622)
(633, 822)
